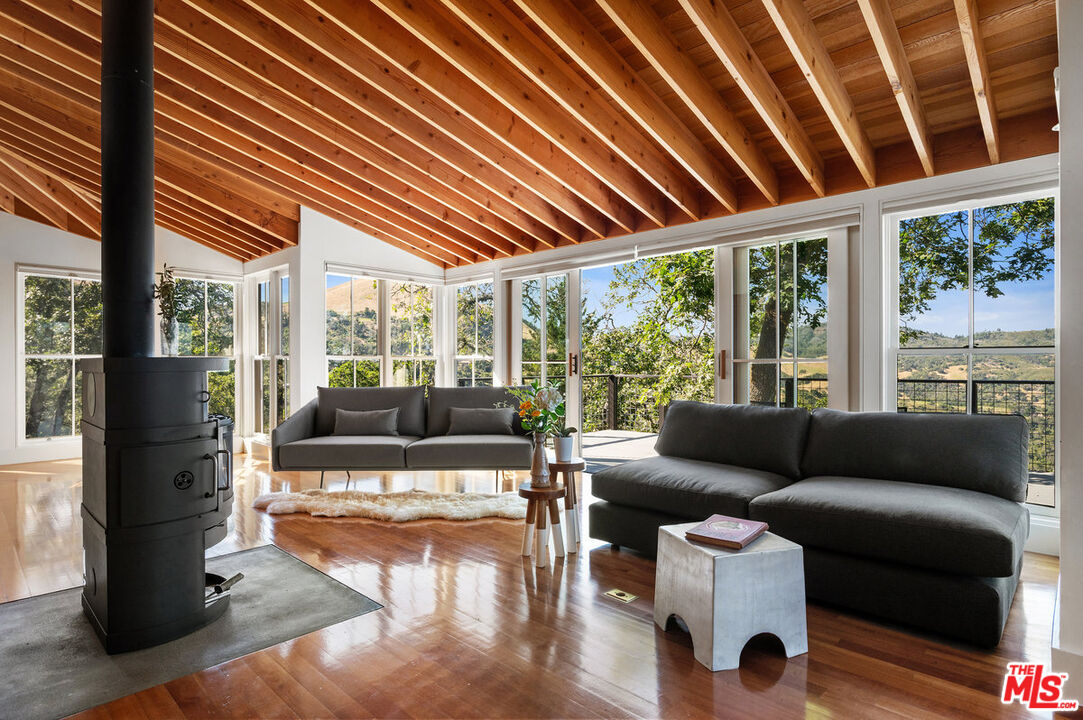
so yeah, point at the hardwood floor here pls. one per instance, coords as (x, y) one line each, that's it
(471, 630)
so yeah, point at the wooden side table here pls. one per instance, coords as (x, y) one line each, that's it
(571, 499)
(540, 509)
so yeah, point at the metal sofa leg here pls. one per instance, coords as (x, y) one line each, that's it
(348, 479)
(321, 479)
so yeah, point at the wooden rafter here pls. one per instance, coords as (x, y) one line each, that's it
(49, 196)
(978, 64)
(889, 46)
(642, 26)
(801, 37)
(491, 73)
(729, 44)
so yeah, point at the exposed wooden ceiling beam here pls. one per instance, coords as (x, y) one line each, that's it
(576, 36)
(800, 35)
(729, 44)
(510, 37)
(978, 64)
(504, 83)
(48, 196)
(889, 46)
(639, 23)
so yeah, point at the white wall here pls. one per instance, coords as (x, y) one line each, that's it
(1068, 632)
(25, 242)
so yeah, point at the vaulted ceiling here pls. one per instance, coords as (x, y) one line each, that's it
(467, 130)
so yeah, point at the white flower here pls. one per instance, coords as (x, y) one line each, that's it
(548, 399)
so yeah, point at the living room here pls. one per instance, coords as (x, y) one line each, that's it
(377, 361)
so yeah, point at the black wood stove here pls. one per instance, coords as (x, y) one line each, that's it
(157, 470)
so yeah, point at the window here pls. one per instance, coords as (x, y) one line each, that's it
(780, 355)
(62, 322)
(544, 330)
(352, 331)
(271, 362)
(474, 334)
(413, 361)
(975, 320)
(206, 324)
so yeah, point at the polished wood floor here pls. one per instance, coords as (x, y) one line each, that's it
(470, 630)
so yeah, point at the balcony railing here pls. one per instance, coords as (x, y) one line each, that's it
(630, 401)
(1033, 399)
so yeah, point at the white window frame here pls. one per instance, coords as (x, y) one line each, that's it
(892, 350)
(273, 353)
(21, 273)
(453, 333)
(236, 356)
(434, 356)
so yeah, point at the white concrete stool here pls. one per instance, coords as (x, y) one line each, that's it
(726, 597)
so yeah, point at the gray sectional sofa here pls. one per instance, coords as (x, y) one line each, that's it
(423, 434)
(918, 518)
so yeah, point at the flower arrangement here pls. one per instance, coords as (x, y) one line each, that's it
(165, 292)
(541, 409)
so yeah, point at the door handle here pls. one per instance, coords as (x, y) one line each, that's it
(573, 364)
(213, 457)
(721, 364)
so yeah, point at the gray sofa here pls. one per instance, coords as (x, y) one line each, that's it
(917, 518)
(305, 441)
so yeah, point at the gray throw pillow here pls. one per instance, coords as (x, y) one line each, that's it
(481, 421)
(366, 422)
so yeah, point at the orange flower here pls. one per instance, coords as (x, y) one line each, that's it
(522, 413)
(525, 405)
(536, 413)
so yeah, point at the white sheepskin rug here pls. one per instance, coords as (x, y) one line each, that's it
(394, 507)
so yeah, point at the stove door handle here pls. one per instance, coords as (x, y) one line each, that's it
(213, 457)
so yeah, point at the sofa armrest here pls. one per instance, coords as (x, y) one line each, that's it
(298, 426)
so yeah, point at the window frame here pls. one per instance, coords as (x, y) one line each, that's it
(21, 356)
(380, 344)
(890, 320)
(236, 356)
(454, 318)
(270, 355)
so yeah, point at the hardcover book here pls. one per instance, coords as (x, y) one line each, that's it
(727, 532)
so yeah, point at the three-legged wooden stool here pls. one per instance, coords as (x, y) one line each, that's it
(571, 498)
(540, 509)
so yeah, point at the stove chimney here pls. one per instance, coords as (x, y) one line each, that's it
(157, 471)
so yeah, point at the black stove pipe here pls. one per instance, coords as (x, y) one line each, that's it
(127, 119)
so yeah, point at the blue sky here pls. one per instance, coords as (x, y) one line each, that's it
(595, 284)
(1023, 306)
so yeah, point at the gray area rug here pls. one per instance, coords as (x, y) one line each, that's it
(52, 665)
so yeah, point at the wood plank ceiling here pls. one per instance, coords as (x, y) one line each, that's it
(467, 130)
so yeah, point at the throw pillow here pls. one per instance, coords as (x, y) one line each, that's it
(481, 421)
(366, 422)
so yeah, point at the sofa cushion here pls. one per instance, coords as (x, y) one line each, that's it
(442, 399)
(409, 400)
(481, 421)
(690, 489)
(346, 452)
(366, 422)
(926, 526)
(470, 452)
(986, 453)
(749, 436)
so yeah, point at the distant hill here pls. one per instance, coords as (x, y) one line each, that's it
(987, 338)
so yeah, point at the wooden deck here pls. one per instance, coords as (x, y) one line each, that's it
(470, 630)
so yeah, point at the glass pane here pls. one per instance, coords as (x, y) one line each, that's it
(934, 303)
(77, 410)
(466, 320)
(265, 396)
(223, 389)
(485, 308)
(340, 373)
(413, 372)
(282, 388)
(762, 315)
(263, 310)
(411, 319)
(88, 317)
(220, 318)
(812, 385)
(284, 312)
(763, 384)
(191, 317)
(366, 302)
(531, 372)
(464, 373)
(787, 297)
(368, 373)
(48, 398)
(811, 321)
(932, 383)
(531, 312)
(337, 303)
(1023, 385)
(556, 320)
(786, 396)
(1013, 274)
(48, 316)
